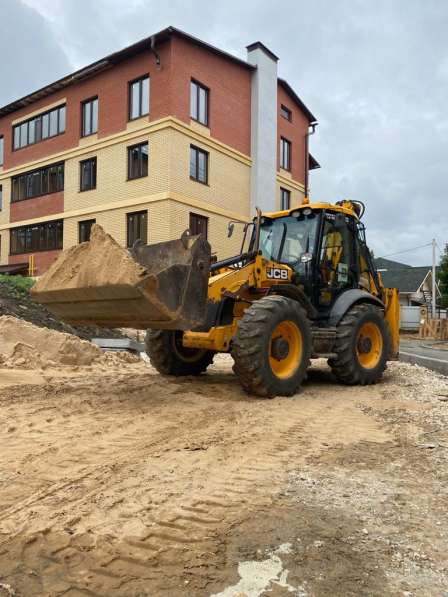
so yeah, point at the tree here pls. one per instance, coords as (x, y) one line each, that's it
(443, 277)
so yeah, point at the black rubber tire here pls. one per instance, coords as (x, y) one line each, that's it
(169, 357)
(251, 345)
(346, 366)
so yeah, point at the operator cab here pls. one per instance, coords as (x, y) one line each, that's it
(325, 246)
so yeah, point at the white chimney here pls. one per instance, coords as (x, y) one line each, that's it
(263, 127)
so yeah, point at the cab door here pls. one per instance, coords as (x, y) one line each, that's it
(336, 267)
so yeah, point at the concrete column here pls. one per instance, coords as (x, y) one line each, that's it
(263, 127)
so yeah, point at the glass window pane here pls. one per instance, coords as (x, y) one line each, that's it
(144, 162)
(44, 182)
(135, 100)
(61, 119)
(88, 175)
(85, 229)
(22, 187)
(24, 134)
(193, 162)
(95, 115)
(142, 233)
(133, 162)
(86, 118)
(145, 96)
(60, 177)
(202, 166)
(45, 126)
(31, 131)
(16, 137)
(51, 238)
(36, 184)
(53, 123)
(83, 176)
(38, 133)
(194, 100)
(53, 179)
(202, 106)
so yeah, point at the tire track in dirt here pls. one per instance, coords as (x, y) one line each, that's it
(156, 490)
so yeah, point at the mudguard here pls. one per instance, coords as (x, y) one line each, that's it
(349, 298)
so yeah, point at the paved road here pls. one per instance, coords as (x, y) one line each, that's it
(413, 351)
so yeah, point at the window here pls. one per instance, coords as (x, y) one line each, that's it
(40, 127)
(138, 98)
(199, 102)
(87, 170)
(285, 154)
(198, 224)
(84, 229)
(89, 117)
(198, 164)
(37, 237)
(286, 113)
(38, 182)
(137, 227)
(138, 161)
(2, 150)
(285, 199)
(335, 260)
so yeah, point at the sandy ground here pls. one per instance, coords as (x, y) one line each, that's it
(117, 482)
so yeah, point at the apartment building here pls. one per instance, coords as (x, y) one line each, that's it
(167, 134)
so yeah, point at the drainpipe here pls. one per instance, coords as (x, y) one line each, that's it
(313, 126)
(152, 48)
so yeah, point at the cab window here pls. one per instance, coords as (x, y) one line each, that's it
(335, 259)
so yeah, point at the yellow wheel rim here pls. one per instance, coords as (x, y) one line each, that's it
(285, 349)
(369, 345)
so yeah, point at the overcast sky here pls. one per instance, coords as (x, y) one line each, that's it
(375, 74)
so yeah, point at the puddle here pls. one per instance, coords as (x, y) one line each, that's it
(259, 576)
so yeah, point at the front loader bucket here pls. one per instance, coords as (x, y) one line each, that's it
(160, 286)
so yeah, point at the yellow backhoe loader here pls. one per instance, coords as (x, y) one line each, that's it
(305, 287)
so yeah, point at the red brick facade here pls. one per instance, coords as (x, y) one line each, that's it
(230, 89)
(42, 260)
(37, 207)
(295, 131)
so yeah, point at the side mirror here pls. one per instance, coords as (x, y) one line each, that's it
(306, 257)
(230, 228)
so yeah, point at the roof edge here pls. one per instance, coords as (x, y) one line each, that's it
(110, 60)
(258, 45)
(287, 87)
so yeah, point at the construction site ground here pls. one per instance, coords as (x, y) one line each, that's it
(115, 481)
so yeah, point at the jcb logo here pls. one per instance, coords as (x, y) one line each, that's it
(275, 273)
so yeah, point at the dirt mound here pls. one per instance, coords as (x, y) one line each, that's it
(100, 262)
(23, 344)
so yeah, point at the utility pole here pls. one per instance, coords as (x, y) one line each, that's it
(433, 278)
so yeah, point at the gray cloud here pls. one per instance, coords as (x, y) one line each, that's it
(374, 73)
(30, 54)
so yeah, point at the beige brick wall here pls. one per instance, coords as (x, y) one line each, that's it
(217, 229)
(167, 219)
(229, 180)
(296, 194)
(114, 222)
(4, 219)
(112, 183)
(169, 155)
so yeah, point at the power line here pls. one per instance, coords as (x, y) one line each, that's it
(405, 251)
